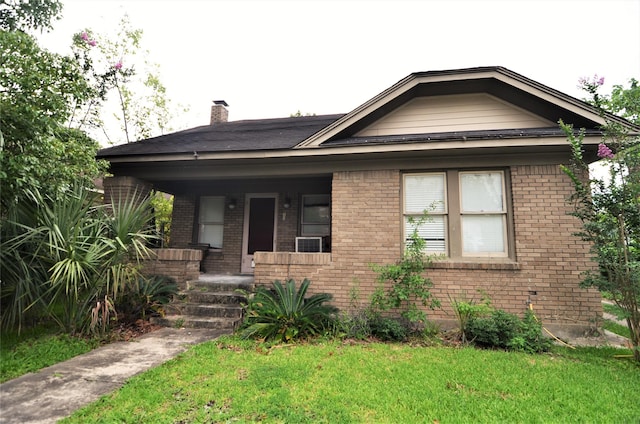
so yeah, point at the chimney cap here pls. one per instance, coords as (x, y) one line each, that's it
(220, 102)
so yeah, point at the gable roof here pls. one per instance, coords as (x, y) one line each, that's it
(300, 136)
(499, 82)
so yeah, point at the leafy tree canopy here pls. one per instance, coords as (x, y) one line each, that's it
(38, 91)
(28, 14)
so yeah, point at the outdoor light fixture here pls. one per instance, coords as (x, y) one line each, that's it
(232, 204)
(287, 202)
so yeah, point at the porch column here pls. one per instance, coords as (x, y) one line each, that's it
(120, 188)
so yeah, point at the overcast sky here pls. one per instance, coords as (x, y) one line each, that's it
(273, 58)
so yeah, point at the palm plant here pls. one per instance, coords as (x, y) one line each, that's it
(21, 270)
(284, 313)
(67, 254)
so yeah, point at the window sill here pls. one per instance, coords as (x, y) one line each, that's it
(499, 265)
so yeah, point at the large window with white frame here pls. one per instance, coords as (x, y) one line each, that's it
(467, 212)
(211, 221)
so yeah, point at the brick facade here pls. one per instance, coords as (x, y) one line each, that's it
(181, 264)
(120, 188)
(367, 228)
(228, 260)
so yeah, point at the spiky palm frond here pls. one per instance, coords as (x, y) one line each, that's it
(284, 313)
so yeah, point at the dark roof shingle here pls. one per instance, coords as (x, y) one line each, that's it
(259, 134)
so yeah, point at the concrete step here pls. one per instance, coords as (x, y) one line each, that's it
(219, 286)
(206, 310)
(189, 321)
(212, 301)
(212, 297)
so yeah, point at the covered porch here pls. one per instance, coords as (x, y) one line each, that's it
(261, 226)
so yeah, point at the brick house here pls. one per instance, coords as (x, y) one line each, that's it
(323, 197)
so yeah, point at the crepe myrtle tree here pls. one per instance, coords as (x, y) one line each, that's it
(609, 206)
(126, 85)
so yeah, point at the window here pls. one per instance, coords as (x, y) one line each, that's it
(483, 213)
(211, 221)
(467, 212)
(316, 215)
(426, 192)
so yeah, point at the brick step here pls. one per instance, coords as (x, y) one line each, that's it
(206, 310)
(189, 321)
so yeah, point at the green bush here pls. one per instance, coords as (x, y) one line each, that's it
(402, 285)
(388, 329)
(496, 330)
(530, 338)
(354, 325)
(506, 331)
(146, 298)
(283, 313)
(467, 309)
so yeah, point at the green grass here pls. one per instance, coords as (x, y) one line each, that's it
(614, 310)
(614, 327)
(375, 383)
(37, 348)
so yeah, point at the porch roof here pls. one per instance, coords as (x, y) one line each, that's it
(246, 135)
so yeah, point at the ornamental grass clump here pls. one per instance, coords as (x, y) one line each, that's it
(283, 312)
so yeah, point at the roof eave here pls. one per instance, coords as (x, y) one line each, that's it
(499, 73)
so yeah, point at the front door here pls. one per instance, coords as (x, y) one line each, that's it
(259, 228)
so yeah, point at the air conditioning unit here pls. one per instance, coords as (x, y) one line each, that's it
(308, 244)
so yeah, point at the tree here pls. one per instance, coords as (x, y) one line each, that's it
(38, 94)
(121, 76)
(59, 250)
(609, 207)
(28, 14)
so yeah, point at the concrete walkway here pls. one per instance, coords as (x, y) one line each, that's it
(57, 391)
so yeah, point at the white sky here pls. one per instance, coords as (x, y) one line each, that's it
(273, 58)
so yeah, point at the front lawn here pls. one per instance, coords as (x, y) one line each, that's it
(334, 382)
(36, 348)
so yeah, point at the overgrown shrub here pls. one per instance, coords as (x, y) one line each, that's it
(283, 313)
(530, 338)
(71, 256)
(507, 331)
(408, 286)
(467, 309)
(146, 298)
(388, 329)
(495, 330)
(355, 324)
